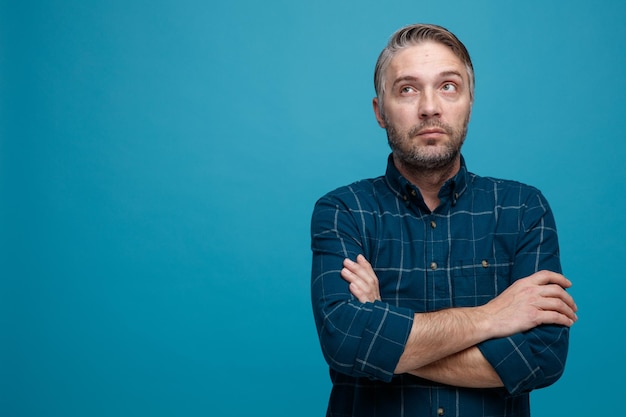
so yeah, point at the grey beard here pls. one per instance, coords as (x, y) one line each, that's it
(416, 158)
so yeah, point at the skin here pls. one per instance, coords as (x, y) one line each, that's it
(441, 345)
(427, 107)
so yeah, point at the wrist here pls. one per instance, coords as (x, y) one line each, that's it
(482, 322)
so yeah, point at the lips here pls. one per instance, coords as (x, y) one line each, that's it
(431, 131)
(430, 128)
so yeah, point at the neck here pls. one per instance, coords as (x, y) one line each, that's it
(429, 181)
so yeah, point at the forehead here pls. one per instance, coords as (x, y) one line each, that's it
(423, 59)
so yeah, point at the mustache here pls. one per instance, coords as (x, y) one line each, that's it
(430, 124)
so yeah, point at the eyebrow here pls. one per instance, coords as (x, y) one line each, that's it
(443, 74)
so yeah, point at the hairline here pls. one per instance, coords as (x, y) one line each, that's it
(429, 33)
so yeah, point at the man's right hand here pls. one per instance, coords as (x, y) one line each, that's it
(538, 299)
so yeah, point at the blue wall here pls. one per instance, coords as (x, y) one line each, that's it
(159, 164)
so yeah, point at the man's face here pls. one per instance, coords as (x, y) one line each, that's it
(426, 106)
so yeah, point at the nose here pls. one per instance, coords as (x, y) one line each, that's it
(429, 105)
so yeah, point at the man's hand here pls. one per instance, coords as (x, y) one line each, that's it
(438, 339)
(363, 281)
(529, 302)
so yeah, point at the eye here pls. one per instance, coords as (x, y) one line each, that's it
(407, 89)
(449, 87)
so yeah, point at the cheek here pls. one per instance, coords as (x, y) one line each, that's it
(463, 111)
(401, 118)
(458, 115)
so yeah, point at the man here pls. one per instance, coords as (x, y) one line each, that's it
(435, 292)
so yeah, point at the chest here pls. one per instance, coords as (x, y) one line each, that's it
(433, 261)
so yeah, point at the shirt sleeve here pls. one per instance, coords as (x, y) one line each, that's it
(535, 358)
(357, 339)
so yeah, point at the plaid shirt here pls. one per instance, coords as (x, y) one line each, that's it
(485, 234)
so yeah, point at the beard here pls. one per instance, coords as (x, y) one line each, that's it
(426, 157)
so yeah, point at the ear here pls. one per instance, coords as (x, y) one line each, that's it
(377, 111)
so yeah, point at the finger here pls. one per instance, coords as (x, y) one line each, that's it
(363, 261)
(357, 293)
(554, 317)
(549, 277)
(357, 286)
(352, 266)
(558, 306)
(348, 275)
(362, 294)
(363, 285)
(365, 273)
(556, 291)
(347, 262)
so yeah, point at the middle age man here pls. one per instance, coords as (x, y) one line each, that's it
(463, 310)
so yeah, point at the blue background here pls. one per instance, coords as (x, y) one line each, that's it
(160, 161)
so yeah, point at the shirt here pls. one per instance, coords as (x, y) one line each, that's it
(485, 234)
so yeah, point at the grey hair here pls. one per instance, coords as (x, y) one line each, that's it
(415, 34)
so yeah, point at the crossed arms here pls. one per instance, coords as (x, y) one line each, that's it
(507, 326)
(442, 345)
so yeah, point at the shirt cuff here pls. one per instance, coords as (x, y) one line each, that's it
(512, 359)
(384, 340)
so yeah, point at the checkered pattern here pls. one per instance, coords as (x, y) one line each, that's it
(485, 234)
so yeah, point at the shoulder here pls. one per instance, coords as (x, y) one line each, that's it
(360, 192)
(510, 196)
(503, 187)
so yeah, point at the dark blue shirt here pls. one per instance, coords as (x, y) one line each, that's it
(485, 234)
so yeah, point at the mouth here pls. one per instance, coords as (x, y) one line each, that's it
(431, 133)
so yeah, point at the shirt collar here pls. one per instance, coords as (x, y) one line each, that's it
(451, 190)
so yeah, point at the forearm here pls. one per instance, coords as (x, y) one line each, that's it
(439, 335)
(468, 369)
(528, 303)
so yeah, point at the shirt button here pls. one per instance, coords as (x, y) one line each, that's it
(433, 224)
(441, 411)
(433, 265)
(413, 193)
(485, 263)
